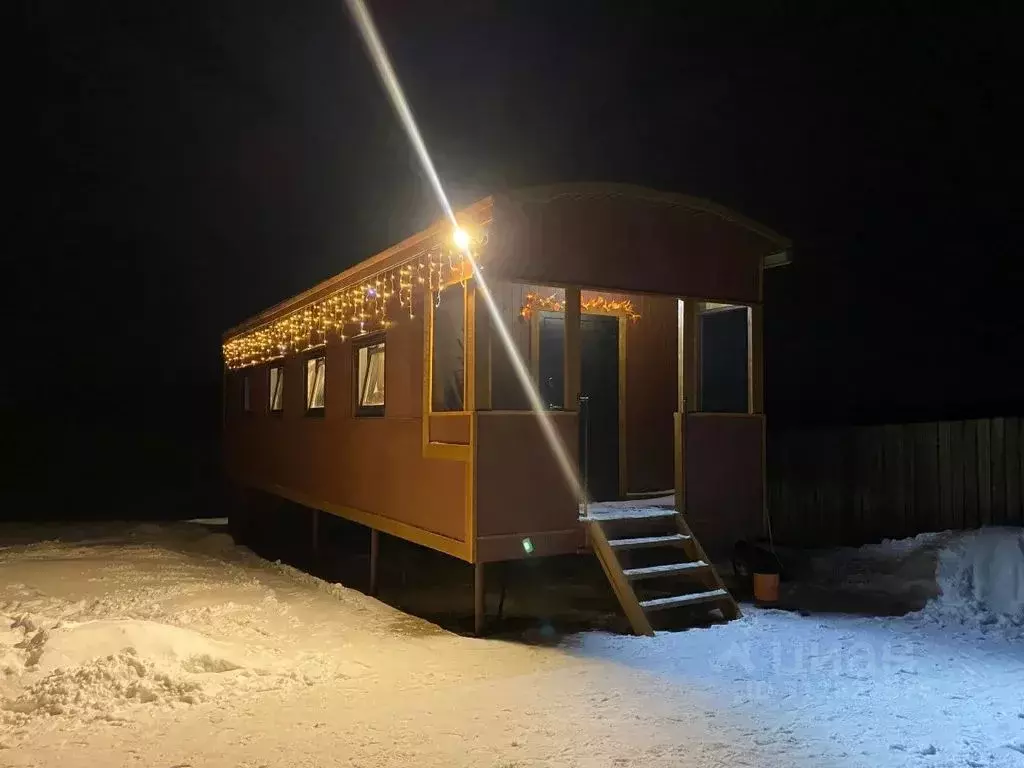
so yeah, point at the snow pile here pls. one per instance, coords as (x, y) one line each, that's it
(980, 576)
(98, 687)
(968, 579)
(96, 669)
(72, 644)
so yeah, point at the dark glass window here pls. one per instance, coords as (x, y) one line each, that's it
(447, 356)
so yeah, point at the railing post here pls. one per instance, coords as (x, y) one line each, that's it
(584, 416)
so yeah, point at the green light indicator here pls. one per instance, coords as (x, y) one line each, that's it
(528, 545)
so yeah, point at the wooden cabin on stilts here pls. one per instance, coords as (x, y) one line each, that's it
(385, 395)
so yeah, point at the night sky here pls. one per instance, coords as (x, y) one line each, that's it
(186, 165)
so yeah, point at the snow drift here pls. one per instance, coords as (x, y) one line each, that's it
(966, 579)
(980, 576)
(91, 670)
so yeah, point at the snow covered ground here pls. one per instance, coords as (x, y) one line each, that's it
(166, 645)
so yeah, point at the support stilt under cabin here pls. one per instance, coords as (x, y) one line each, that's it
(388, 395)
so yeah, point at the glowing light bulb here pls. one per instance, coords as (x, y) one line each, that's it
(461, 239)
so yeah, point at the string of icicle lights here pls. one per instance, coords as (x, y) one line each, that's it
(589, 303)
(373, 303)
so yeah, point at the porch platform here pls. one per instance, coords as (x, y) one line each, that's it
(633, 509)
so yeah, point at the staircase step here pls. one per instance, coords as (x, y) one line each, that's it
(671, 569)
(613, 514)
(678, 600)
(648, 541)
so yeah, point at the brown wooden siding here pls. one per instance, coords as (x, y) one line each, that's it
(624, 244)
(652, 371)
(450, 428)
(724, 491)
(374, 465)
(519, 486)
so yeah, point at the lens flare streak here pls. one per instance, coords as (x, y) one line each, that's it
(378, 54)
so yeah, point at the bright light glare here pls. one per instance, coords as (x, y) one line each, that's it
(461, 239)
(368, 31)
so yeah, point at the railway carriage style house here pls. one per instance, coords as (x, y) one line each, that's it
(385, 395)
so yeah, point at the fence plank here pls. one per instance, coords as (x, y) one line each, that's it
(858, 477)
(970, 465)
(999, 515)
(879, 503)
(871, 476)
(790, 511)
(803, 506)
(883, 502)
(824, 476)
(956, 458)
(812, 531)
(896, 491)
(945, 479)
(906, 445)
(774, 480)
(783, 510)
(787, 514)
(830, 474)
(1014, 513)
(843, 454)
(816, 461)
(984, 472)
(926, 477)
(801, 510)
(910, 478)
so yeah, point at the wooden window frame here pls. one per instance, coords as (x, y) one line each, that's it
(358, 344)
(690, 373)
(270, 388)
(317, 354)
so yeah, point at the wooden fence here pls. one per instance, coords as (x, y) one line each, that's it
(854, 485)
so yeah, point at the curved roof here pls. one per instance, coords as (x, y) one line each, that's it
(593, 190)
(622, 237)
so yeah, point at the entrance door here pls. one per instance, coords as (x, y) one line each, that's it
(551, 356)
(599, 381)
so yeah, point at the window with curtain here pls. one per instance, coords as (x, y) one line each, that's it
(316, 371)
(370, 379)
(447, 355)
(277, 389)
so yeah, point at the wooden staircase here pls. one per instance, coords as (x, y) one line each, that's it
(654, 551)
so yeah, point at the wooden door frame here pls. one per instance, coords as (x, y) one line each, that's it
(573, 355)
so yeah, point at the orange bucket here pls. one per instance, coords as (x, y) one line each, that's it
(766, 587)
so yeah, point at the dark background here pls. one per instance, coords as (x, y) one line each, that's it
(184, 165)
